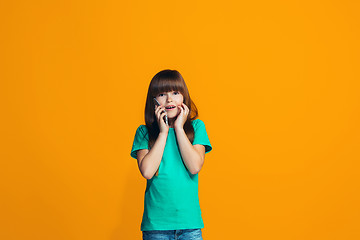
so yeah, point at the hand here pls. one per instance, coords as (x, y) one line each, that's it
(160, 112)
(182, 116)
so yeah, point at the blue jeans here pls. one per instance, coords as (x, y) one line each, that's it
(183, 234)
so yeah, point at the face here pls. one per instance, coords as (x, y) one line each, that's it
(172, 98)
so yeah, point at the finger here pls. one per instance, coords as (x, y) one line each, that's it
(158, 113)
(162, 117)
(163, 110)
(163, 114)
(181, 109)
(187, 109)
(159, 109)
(183, 106)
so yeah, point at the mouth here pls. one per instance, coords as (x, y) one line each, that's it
(170, 108)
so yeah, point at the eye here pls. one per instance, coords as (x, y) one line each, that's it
(176, 93)
(160, 94)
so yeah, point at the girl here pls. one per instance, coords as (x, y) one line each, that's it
(170, 157)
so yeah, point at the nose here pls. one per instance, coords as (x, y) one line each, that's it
(169, 98)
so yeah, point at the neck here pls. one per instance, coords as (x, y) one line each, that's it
(171, 122)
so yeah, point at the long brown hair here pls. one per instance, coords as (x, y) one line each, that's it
(165, 81)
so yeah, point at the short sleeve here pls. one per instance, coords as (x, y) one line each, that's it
(141, 140)
(201, 136)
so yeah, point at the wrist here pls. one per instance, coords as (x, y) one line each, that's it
(163, 134)
(178, 129)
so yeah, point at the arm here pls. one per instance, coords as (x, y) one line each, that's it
(193, 155)
(149, 161)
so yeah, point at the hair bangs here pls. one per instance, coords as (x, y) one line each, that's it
(167, 84)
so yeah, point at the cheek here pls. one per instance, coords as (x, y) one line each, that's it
(162, 101)
(177, 111)
(180, 99)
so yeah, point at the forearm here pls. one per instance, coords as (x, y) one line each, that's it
(152, 159)
(190, 156)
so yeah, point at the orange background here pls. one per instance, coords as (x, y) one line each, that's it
(276, 83)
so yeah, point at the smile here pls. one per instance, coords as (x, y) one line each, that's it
(169, 109)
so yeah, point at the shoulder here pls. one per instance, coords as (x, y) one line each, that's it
(142, 130)
(197, 123)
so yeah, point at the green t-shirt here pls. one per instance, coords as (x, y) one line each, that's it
(171, 198)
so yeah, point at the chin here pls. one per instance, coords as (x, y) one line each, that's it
(173, 116)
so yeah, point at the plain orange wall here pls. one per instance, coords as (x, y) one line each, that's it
(276, 83)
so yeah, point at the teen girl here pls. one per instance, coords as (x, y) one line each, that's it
(170, 153)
